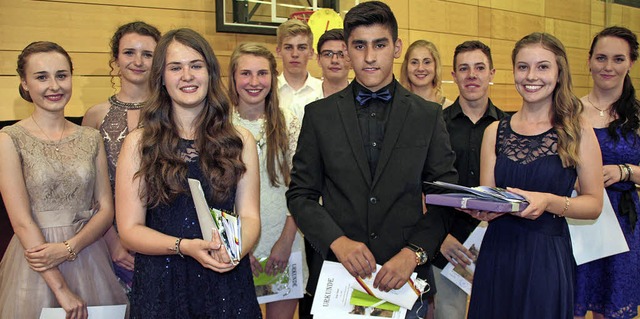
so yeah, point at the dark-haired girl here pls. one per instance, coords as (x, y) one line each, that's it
(610, 287)
(186, 132)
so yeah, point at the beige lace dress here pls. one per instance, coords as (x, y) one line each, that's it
(273, 202)
(60, 186)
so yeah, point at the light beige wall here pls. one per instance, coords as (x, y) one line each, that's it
(84, 28)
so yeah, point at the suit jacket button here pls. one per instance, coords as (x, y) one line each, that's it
(373, 200)
(374, 236)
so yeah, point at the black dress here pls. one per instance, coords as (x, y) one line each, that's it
(170, 286)
(526, 268)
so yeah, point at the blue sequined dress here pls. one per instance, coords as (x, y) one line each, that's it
(170, 286)
(611, 285)
(525, 268)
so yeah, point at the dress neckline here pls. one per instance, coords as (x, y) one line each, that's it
(63, 140)
(523, 135)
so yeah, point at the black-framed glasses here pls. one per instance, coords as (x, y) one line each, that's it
(329, 54)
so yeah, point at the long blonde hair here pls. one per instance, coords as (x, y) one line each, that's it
(566, 107)
(275, 125)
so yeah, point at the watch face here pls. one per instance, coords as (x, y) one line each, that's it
(422, 257)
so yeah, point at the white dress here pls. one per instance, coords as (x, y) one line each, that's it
(273, 202)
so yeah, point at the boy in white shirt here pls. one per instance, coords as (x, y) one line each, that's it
(296, 87)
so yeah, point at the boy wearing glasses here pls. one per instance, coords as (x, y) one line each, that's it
(332, 48)
(296, 87)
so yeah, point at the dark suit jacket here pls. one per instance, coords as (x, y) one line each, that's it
(383, 211)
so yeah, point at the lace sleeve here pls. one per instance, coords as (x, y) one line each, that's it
(293, 131)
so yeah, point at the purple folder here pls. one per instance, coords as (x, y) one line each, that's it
(469, 201)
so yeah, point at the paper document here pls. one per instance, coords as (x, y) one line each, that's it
(283, 286)
(95, 312)
(335, 297)
(599, 238)
(463, 276)
(227, 223)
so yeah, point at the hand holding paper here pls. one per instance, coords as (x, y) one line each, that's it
(455, 252)
(200, 250)
(355, 256)
(227, 225)
(396, 272)
(218, 250)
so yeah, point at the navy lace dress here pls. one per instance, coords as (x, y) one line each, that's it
(525, 269)
(169, 286)
(611, 285)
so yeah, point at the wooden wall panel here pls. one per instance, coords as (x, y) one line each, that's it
(570, 10)
(445, 17)
(84, 28)
(191, 5)
(508, 25)
(572, 34)
(532, 7)
(597, 13)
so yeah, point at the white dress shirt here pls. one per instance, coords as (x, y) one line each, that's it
(296, 100)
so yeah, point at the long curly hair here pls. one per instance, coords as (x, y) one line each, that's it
(567, 108)
(139, 27)
(627, 106)
(275, 125)
(217, 142)
(404, 74)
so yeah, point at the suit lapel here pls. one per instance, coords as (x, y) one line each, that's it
(397, 115)
(347, 111)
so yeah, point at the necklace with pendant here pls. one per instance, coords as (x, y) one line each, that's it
(601, 110)
(57, 144)
(261, 138)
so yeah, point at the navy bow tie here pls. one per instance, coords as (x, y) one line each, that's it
(363, 97)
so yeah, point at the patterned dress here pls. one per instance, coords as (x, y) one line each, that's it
(114, 128)
(60, 185)
(273, 203)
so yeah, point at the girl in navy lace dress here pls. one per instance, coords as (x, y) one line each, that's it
(525, 268)
(610, 287)
(186, 132)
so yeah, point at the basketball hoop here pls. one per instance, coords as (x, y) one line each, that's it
(301, 15)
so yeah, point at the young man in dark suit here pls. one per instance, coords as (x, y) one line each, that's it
(366, 151)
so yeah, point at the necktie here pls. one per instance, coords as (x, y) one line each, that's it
(363, 97)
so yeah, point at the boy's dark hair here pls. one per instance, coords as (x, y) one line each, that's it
(331, 35)
(370, 13)
(472, 45)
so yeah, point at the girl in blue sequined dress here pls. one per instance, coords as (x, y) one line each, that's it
(186, 132)
(610, 287)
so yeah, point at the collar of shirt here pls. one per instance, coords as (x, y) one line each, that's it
(310, 83)
(455, 110)
(357, 87)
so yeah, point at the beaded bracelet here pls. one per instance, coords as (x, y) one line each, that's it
(72, 254)
(177, 247)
